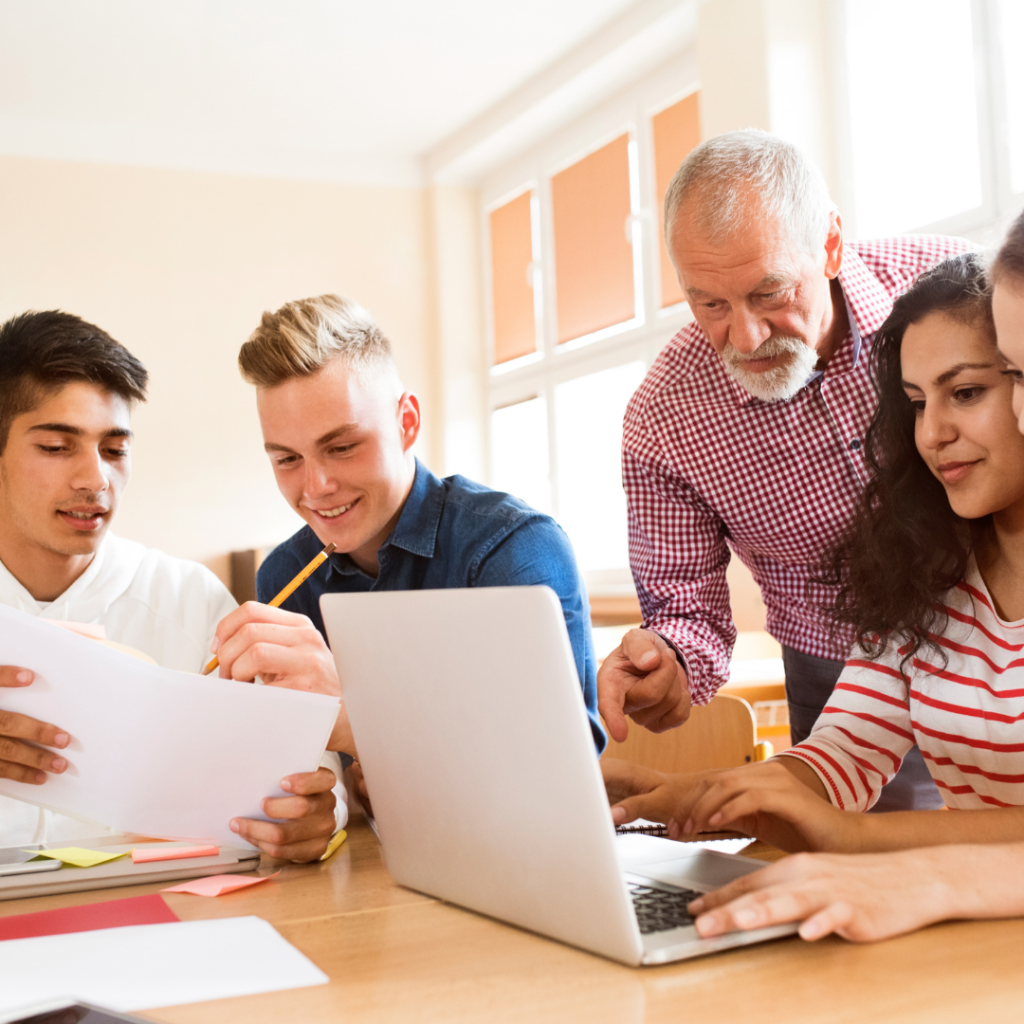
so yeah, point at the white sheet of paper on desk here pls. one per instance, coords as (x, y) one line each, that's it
(150, 965)
(154, 751)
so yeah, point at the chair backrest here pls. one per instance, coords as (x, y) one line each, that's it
(722, 734)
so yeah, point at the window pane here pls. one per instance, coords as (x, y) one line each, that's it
(1011, 32)
(593, 257)
(588, 432)
(676, 131)
(519, 452)
(913, 113)
(511, 279)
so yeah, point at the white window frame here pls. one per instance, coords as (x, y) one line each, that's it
(638, 339)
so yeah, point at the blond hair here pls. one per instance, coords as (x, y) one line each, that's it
(302, 337)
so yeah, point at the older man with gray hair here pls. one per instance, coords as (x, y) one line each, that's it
(747, 434)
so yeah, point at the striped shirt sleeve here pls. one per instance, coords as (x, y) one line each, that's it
(864, 732)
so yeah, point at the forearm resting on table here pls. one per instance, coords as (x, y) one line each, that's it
(902, 830)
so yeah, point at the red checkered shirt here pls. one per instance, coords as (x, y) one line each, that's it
(707, 467)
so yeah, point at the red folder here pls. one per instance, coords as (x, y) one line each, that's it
(88, 918)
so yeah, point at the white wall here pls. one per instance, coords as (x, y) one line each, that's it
(178, 267)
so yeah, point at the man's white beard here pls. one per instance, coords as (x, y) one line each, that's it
(783, 380)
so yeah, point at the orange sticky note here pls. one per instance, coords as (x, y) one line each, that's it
(217, 885)
(145, 854)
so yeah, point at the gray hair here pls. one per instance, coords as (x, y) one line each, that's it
(715, 180)
(302, 337)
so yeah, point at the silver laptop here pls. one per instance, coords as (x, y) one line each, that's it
(22, 875)
(472, 732)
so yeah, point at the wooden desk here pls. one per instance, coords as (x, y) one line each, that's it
(397, 956)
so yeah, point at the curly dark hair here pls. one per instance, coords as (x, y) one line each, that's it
(905, 546)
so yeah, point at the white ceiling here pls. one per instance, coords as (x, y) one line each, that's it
(339, 90)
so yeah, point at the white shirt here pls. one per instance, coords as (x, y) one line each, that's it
(165, 607)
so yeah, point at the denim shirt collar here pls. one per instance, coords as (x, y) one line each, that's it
(416, 529)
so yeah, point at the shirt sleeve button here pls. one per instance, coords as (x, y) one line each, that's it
(855, 444)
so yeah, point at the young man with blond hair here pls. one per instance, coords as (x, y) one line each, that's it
(339, 429)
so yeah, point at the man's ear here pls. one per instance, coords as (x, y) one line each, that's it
(409, 419)
(834, 245)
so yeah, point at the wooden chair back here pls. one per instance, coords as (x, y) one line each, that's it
(722, 734)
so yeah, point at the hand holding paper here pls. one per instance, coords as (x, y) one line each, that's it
(153, 751)
(306, 819)
(26, 761)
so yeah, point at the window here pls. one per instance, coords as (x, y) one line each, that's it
(676, 131)
(936, 101)
(515, 329)
(582, 299)
(1010, 33)
(591, 214)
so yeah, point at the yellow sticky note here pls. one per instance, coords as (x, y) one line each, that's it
(76, 857)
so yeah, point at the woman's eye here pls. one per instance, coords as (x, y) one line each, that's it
(917, 406)
(968, 394)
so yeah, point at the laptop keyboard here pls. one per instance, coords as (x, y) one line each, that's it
(659, 910)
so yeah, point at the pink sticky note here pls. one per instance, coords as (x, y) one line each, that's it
(217, 885)
(145, 854)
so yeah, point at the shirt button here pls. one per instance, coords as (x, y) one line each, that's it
(855, 444)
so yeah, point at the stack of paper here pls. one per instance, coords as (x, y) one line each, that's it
(151, 965)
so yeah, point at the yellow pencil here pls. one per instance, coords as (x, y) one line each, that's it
(336, 840)
(287, 592)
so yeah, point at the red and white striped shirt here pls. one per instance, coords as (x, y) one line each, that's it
(967, 716)
(707, 467)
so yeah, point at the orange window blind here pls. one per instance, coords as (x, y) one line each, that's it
(515, 332)
(593, 257)
(676, 132)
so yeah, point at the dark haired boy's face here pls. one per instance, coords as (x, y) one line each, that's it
(63, 471)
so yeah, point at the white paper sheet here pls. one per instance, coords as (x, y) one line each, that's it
(150, 965)
(154, 751)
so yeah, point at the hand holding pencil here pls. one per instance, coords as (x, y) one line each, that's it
(284, 649)
(285, 592)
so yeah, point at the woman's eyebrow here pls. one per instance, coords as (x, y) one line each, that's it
(945, 378)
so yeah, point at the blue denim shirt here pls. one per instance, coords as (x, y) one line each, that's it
(452, 533)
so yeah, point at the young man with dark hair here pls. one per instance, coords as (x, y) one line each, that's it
(66, 394)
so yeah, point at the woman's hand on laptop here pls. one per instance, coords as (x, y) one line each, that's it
(22, 738)
(771, 801)
(305, 820)
(867, 897)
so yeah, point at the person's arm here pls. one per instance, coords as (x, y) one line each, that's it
(678, 555)
(23, 739)
(871, 896)
(536, 553)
